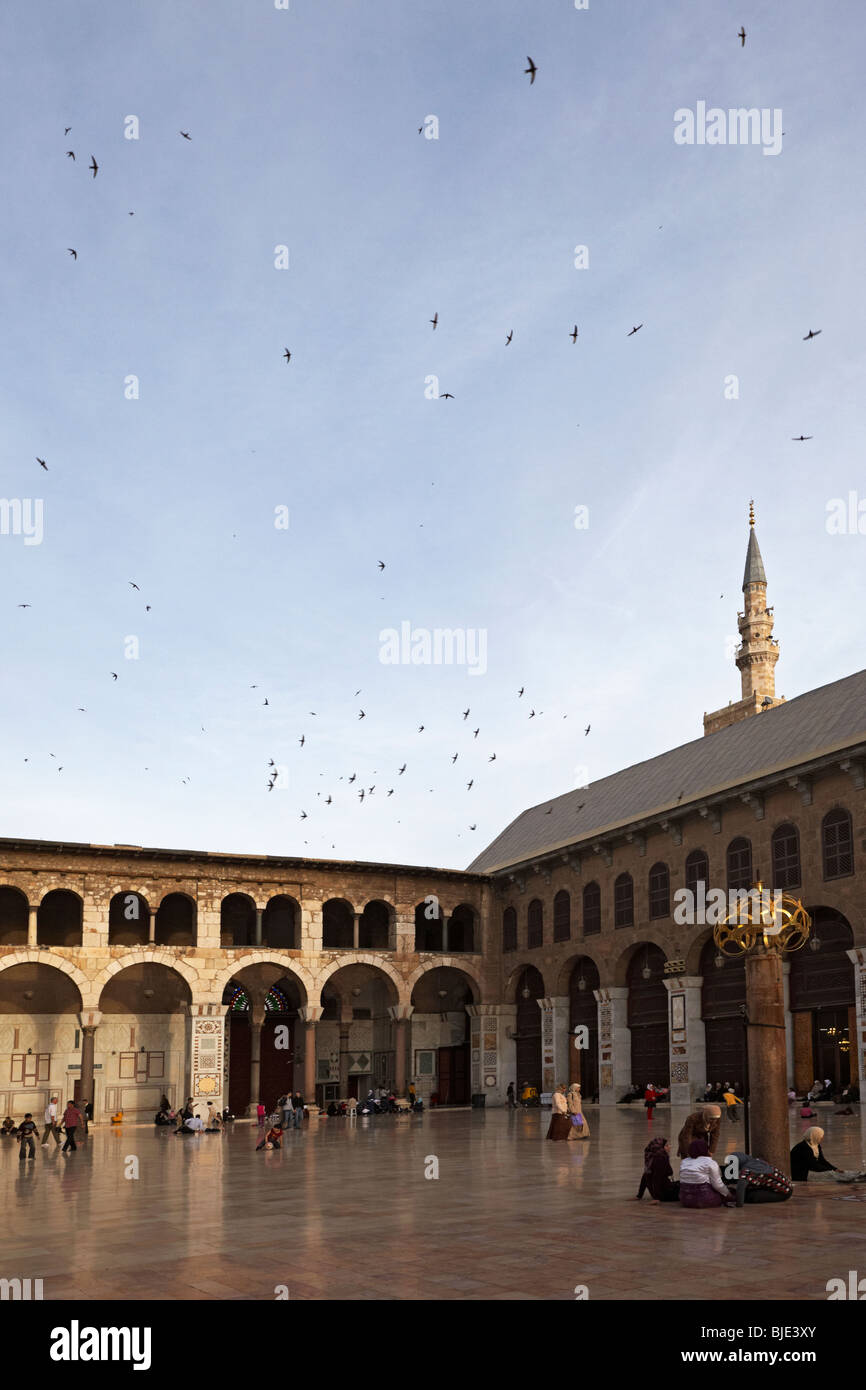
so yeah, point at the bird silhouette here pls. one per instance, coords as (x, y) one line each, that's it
(185, 134)
(67, 129)
(420, 728)
(510, 336)
(73, 253)
(801, 438)
(264, 702)
(435, 320)
(93, 165)
(287, 355)
(634, 330)
(476, 732)
(25, 605)
(353, 776)
(586, 730)
(470, 784)
(742, 37)
(70, 154)
(113, 674)
(454, 759)
(531, 70)
(362, 715)
(466, 714)
(813, 333)
(473, 827)
(446, 396)
(520, 691)
(401, 770)
(42, 462)
(303, 815)
(532, 714)
(391, 792)
(327, 800)
(361, 794)
(381, 564)
(134, 585)
(492, 758)
(302, 739)
(573, 334)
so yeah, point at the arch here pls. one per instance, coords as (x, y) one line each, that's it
(429, 926)
(513, 981)
(289, 965)
(623, 901)
(383, 966)
(176, 921)
(280, 922)
(128, 919)
(509, 930)
(461, 929)
(569, 965)
(447, 963)
(623, 961)
(60, 919)
(562, 916)
(14, 916)
(375, 927)
(659, 891)
(338, 925)
(785, 856)
(837, 844)
(142, 987)
(44, 995)
(237, 921)
(591, 909)
(145, 955)
(424, 976)
(86, 988)
(738, 858)
(535, 924)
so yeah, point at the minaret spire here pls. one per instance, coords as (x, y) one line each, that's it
(758, 651)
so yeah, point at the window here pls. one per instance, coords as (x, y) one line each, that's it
(141, 1066)
(697, 871)
(659, 891)
(591, 909)
(786, 857)
(623, 901)
(28, 1067)
(535, 924)
(562, 916)
(509, 930)
(740, 864)
(837, 843)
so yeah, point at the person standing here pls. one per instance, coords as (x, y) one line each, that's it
(560, 1123)
(286, 1107)
(50, 1123)
(71, 1121)
(26, 1131)
(650, 1097)
(298, 1108)
(701, 1124)
(577, 1119)
(509, 1096)
(260, 1115)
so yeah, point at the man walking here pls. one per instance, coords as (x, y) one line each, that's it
(71, 1121)
(298, 1108)
(26, 1130)
(50, 1123)
(286, 1106)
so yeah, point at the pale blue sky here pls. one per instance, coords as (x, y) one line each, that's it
(304, 132)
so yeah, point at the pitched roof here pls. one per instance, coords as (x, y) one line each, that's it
(754, 571)
(820, 723)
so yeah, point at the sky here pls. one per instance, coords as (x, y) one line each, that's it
(252, 499)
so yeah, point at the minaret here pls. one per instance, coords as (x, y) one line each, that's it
(758, 651)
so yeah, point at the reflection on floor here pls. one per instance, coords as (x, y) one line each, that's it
(346, 1212)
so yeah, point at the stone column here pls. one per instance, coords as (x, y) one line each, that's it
(345, 1025)
(257, 929)
(401, 1014)
(789, 1022)
(768, 1106)
(206, 1056)
(151, 928)
(493, 1051)
(554, 1040)
(614, 1044)
(687, 1041)
(310, 1014)
(89, 1022)
(32, 916)
(445, 921)
(356, 929)
(858, 1042)
(257, 1018)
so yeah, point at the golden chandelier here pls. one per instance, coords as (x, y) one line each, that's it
(771, 919)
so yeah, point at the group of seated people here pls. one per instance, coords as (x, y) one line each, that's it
(188, 1121)
(742, 1179)
(825, 1091)
(714, 1094)
(381, 1102)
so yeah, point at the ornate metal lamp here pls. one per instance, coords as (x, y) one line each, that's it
(776, 923)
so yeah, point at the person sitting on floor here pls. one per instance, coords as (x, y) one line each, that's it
(658, 1176)
(214, 1123)
(162, 1117)
(8, 1127)
(272, 1140)
(701, 1183)
(758, 1180)
(701, 1124)
(808, 1156)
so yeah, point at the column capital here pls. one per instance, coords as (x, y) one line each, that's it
(858, 956)
(611, 992)
(211, 1010)
(311, 1013)
(401, 1013)
(553, 1001)
(678, 982)
(90, 1018)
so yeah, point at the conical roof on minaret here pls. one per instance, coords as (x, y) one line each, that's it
(754, 571)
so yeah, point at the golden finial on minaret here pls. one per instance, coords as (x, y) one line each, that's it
(751, 513)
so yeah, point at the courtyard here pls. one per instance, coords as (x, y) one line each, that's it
(346, 1212)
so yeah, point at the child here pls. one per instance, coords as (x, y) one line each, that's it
(272, 1140)
(731, 1101)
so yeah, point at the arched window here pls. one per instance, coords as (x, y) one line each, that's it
(697, 871)
(509, 930)
(659, 891)
(461, 928)
(740, 863)
(591, 909)
(429, 921)
(837, 844)
(535, 924)
(14, 916)
(338, 926)
(623, 901)
(562, 916)
(786, 857)
(374, 928)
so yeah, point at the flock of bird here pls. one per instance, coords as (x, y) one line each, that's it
(364, 793)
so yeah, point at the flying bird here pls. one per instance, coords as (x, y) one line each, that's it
(586, 730)
(25, 605)
(391, 792)
(327, 801)
(520, 691)
(264, 702)
(353, 776)
(147, 608)
(446, 396)
(361, 794)
(510, 336)
(742, 37)
(435, 320)
(81, 709)
(813, 333)
(93, 165)
(134, 585)
(420, 728)
(362, 715)
(470, 784)
(302, 739)
(634, 330)
(381, 564)
(531, 70)
(401, 770)
(70, 154)
(573, 334)
(67, 129)
(801, 438)
(476, 732)
(185, 134)
(303, 815)
(492, 758)
(287, 355)
(73, 253)
(473, 827)
(113, 674)
(43, 463)
(454, 759)
(466, 714)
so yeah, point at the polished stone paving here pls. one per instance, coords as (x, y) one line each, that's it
(346, 1212)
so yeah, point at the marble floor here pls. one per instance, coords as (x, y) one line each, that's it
(346, 1212)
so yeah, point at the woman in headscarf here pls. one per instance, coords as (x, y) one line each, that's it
(758, 1180)
(701, 1182)
(808, 1156)
(560, 1124)
(658, 1176)
(574, 1101)
(701, 1124)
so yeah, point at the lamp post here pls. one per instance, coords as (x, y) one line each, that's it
(764, 928)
